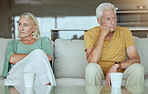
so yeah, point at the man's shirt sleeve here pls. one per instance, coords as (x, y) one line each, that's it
(129, 40)
(89, 40)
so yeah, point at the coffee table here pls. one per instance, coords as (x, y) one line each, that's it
(73, 90)
(99, 90)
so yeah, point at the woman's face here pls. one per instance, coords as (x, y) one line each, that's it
(26, 27)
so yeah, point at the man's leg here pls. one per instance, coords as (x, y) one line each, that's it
(134, 74)
(93, 74)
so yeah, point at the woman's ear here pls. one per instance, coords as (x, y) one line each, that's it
(35, 27)
(99, 21)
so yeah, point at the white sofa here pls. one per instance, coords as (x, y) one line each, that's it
(70, 60)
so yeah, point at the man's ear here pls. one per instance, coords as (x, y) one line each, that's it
(99, 21)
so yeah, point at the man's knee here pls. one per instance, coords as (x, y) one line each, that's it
(92, 67)
(138, 68)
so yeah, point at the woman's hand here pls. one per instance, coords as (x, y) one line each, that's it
(49, 57)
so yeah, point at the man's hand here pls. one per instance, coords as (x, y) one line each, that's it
(104, 30)
(111, 70)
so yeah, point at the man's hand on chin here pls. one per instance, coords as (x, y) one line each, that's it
(104, 30)
(112, 69)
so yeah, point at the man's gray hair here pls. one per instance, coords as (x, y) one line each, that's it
(104, 6)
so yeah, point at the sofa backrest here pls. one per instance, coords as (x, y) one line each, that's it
(70, 58)
(142, 48)
(3, 43)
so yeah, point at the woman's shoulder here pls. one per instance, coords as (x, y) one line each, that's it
(44, 39)
(14, 41)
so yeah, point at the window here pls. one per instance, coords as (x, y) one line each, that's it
(67, 27)
(45, 25)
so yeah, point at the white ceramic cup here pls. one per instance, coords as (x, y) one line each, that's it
(116, 79)
(29, 80)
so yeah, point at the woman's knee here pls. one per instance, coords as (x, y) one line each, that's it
(37, 52)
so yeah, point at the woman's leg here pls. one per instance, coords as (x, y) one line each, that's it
(36, 62)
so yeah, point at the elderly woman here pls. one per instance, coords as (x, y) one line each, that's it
(30, 53)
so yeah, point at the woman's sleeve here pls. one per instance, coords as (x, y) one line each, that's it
(9, 51)
(46, 46)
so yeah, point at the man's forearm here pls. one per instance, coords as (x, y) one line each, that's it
(127, 63)
(95, 55)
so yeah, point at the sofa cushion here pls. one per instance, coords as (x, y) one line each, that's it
(70, 58)
(146, 80)
(142, 48)
(3, 43)
(1, 81)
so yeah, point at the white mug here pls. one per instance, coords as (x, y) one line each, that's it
(116, 79)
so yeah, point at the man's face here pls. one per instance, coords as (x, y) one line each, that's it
(108, 19)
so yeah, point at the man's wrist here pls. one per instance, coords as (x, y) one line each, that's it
(119, 65)
(102, 36)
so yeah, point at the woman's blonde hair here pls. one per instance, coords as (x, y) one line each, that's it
(36, 33)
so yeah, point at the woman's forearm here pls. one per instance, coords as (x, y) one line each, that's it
(14, 58)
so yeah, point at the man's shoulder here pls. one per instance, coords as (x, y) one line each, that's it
(122, 28)
(96, 28)
(93, 30)
(124, 32)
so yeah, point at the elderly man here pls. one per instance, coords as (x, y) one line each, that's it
(106, 47)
